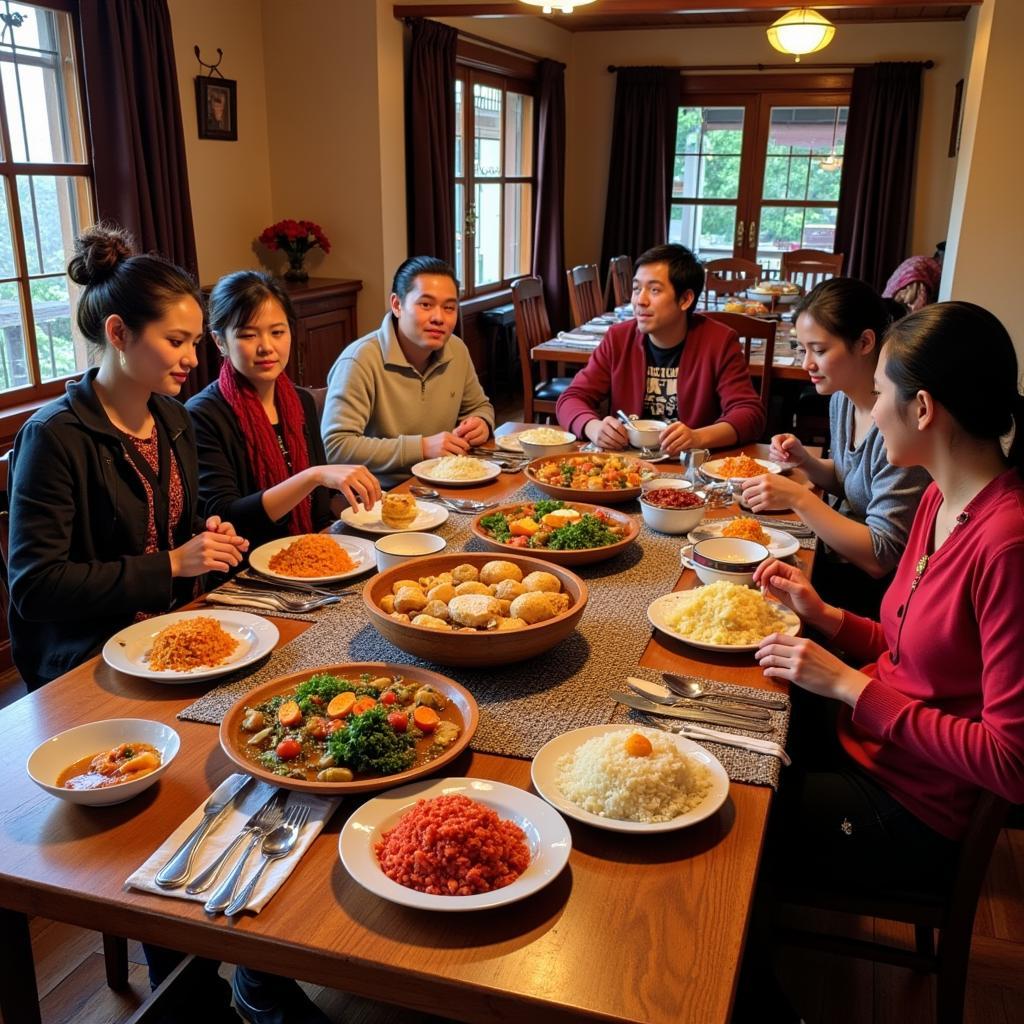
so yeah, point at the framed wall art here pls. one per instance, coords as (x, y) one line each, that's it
(216, 108)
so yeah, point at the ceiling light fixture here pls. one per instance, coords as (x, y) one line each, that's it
(565, 6)
(832, 162)
(801, 31)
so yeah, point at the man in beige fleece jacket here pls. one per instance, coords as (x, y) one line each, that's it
(407, 391)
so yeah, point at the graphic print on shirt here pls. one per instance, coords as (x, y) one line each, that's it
(660, 397)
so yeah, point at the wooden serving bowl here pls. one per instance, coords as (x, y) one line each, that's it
(230, 740)
(479, 649)
(584, 556)
(609, 497)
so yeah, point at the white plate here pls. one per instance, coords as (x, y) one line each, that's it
(422, 470)
(782, 544)
(509, 443)
(713, 471)
(658, 610)
(128, 650)
(428, 515)
(544, 774)
(359, 550)
(547, 836)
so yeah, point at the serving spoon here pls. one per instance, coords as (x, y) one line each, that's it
(456, 504)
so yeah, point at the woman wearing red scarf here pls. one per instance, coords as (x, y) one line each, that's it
(260, 451)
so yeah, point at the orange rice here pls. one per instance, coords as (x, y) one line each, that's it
(191, 643)
(311, 555)
(746, 529)
(740, 466)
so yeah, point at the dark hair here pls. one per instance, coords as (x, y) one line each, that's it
(847, 308)
(964, 358)
(137, 288)
(416, 265)
(685, 271)
(237, 298)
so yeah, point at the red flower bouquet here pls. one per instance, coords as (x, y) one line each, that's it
(295, 238)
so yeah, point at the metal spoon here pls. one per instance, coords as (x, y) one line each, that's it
(675, 701)
(686, 687)
(278, 843)
(456, 504)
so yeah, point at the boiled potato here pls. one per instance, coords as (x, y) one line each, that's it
(387, 604)
(472, 587)
(402, 584)
(410, 599)
(535, 606)
(438, 609)
(544, 581)
(510, 623)
(430, 622)
(498, 570)
(477, 610)
(509, 590)
(465, 573)
(441, 592)
(400, 617)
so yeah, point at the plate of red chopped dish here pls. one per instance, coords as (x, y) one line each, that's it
(455, 844)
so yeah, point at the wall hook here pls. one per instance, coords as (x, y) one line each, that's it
(210, 68)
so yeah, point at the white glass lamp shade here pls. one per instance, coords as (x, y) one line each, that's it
(565, 6)
(801, 31)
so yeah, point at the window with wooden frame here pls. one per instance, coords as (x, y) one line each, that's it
(494, 169)
(45, 198)
(758, 164)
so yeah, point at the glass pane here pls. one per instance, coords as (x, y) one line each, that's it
(487, 131)
(819, 229)
(40, 85)
(518, 229)
(518, 135)
(13, 360)
(6, 246)
(781, 229)
(61, 354)
(709, 141)
(460, 223)
(799, 138)
(487, 237)
(53, 211)
(458, 130)
(707, 230)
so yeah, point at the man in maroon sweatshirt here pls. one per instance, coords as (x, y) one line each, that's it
(670, 364)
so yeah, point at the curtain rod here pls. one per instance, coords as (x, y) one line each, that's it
(500, 47)
(698, 69)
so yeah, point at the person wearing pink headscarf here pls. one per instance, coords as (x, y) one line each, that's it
(915, 282)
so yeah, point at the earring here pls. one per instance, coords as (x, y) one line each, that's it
(124, 362)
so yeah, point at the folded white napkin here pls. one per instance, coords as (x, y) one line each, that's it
(595, 328)
(784, 360)
(694, 731)
(320, 810)
(590, 339)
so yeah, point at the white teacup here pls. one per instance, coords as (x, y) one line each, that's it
(400, 547)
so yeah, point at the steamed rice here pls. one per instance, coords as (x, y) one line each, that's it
(600, 777)
(458, 467)
(724, 613)
(545, 435)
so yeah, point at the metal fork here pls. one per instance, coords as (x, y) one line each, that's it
(674, 701)
(285, 602)
(293, 822)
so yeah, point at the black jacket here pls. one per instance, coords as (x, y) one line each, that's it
(227, 485)
(78, 532)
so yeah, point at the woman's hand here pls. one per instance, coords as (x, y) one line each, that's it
(785, 583)
(216, 525)
(774, 491)
(209, 551)
(473, 430)
(676, 437)
(356, 483)
(810, 666)
(787, 448)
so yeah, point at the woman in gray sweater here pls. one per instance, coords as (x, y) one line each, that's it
(839, 327)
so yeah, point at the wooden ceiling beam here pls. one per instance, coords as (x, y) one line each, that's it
(639, 7)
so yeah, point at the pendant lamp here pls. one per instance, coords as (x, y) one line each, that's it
(801, 31)
(565, 6)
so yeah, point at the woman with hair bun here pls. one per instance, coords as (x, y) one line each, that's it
(839, 327)
(261, 457)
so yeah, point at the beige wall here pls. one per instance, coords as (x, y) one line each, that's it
(987, 224)
(592, 94)
(229, 181)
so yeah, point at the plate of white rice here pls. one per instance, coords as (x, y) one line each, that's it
(588, 774)
(456, 470)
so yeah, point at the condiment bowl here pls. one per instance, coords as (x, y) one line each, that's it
(645, 433)
(51, 757)
(724, 558)
(538, 449)
(396, 548)
(671, 520)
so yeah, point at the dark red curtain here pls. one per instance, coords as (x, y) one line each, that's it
(141, 174)
(549, 210)
(430, 140)
(873, 221)
(640, 164)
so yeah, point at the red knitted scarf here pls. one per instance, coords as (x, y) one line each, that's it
(264, 453)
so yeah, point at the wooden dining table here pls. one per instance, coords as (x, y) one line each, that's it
(637, 928)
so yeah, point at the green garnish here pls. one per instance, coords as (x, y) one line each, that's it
(544, 506)
(369, 744)
(497, 526)
(587, 532)
(327, 687)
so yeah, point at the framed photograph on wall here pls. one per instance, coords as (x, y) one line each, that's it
(216, 108)
(958, 119)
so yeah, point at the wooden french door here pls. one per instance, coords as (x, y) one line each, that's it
(757, 164)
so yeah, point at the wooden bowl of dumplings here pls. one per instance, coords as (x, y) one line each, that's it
(475, 609)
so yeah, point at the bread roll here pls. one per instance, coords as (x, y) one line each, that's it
(508, 590)
(472, 587)
(498, 570)
(545, 581)
(398, 510)
(476, 610)
(430, 622)
(535, 606)
(464, 573)
(410, 599)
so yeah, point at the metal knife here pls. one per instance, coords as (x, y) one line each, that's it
(175, 872)
(208, 875)
(690, 714)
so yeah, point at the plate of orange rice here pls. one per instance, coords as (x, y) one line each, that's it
(738, 467)
(184, 647)
(779, 543)
(314, 558)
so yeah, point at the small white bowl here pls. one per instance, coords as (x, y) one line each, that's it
(724, 558)
(645, 433)
(400, 547)
(670, 520)
(51, 757)
(537, 450)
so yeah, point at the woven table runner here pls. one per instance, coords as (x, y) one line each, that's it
(524, 705)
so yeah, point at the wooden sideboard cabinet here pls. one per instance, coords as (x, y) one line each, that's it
(325, 310)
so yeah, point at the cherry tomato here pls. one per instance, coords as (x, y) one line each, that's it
(335, 724)
(288, 748)
(388, 697)
(517, 542)
(316, 727)
(399, 721)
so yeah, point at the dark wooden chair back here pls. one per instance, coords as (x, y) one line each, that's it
(585, 298)
(319, 398)
(533, 327)
(751, 328)
(951, 912)
(808, 267)
(618, 288)
(731, 276)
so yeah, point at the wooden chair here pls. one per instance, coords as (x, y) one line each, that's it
(729, 277)
(808, 267)
(618, 289)
(585, 298)
(533, 327)
(115, 948)
(750, 328)
(951, 913)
